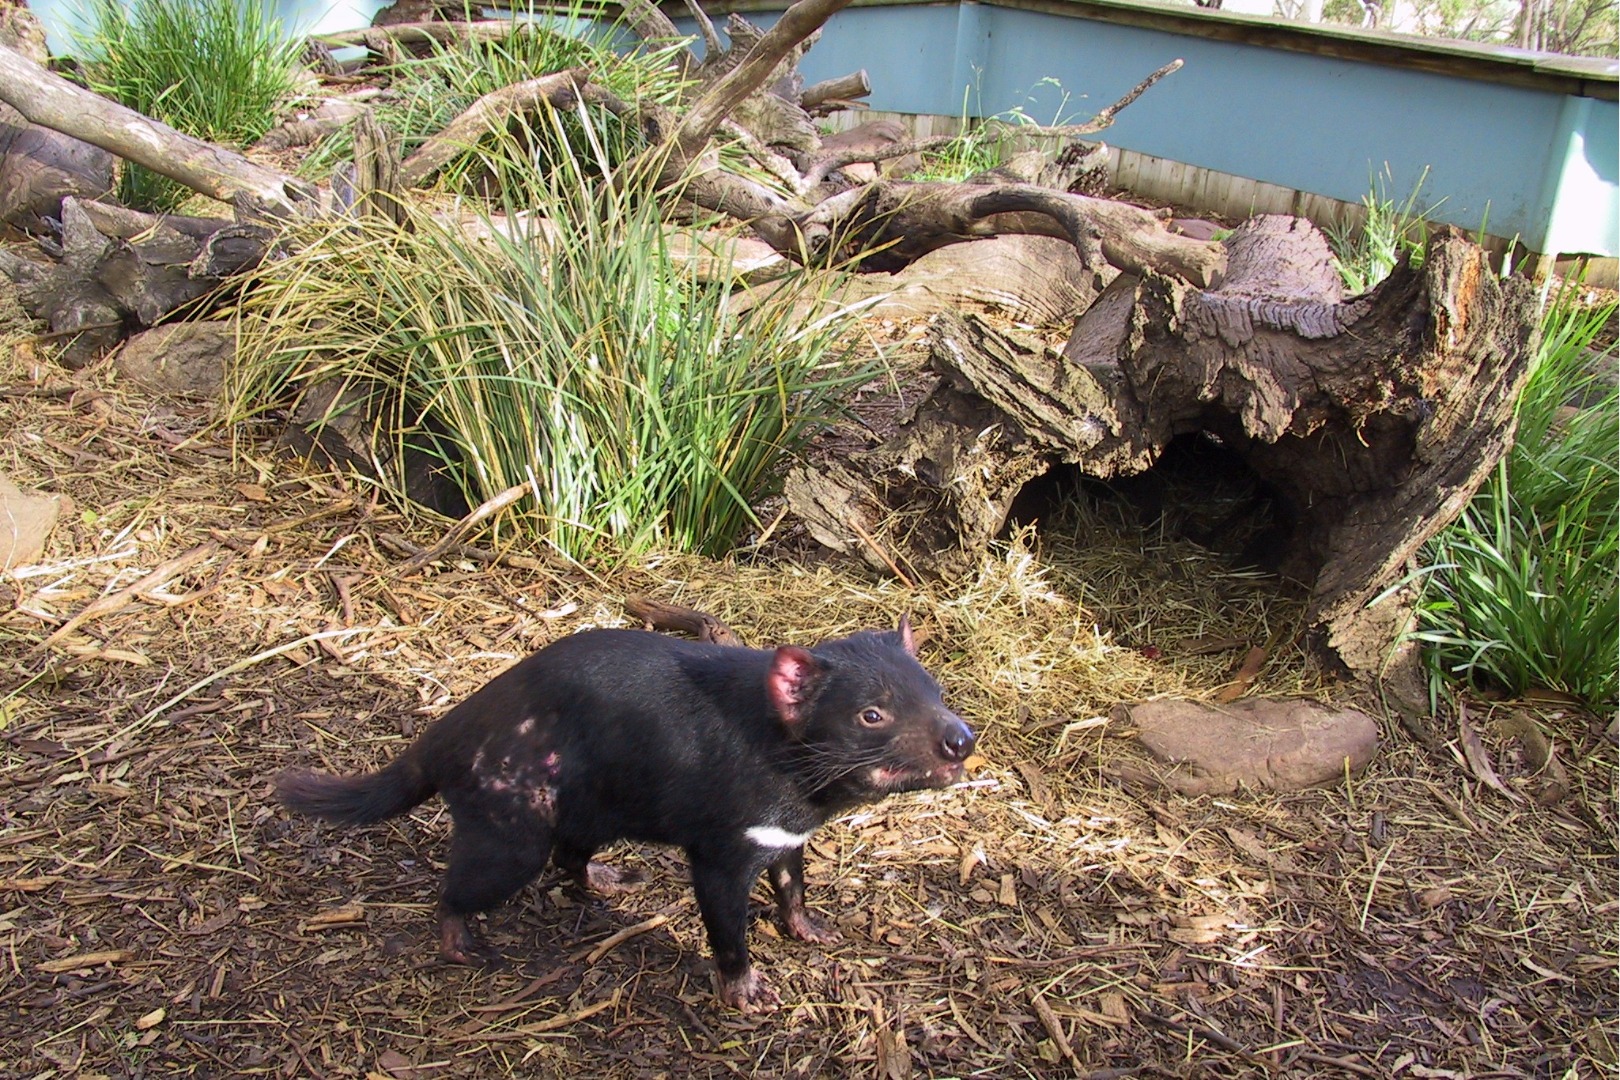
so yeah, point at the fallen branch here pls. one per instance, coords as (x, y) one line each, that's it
(560, 91)
(660, 616)
(47, 99)
(452, 537)
(842, 89)
(911, 219)
(121, 599)
(613, 941)
(719, 100)
(823, 165)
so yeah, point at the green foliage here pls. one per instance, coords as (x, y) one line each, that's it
(432, 90)
(561, 347)
(1366, 255)
(983, 145)
(1572, 27)
(221, 70)
(1522, 589)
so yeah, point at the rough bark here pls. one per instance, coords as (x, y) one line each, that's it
(560, 91)
(901, 221)
(40, 167)
(114, 271)
(49, 100)
(1372, 419)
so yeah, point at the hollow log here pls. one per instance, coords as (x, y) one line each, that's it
(1371, 419)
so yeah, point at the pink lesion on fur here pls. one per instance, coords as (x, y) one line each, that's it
(543, 801)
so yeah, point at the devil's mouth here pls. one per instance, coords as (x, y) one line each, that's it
(911, 778)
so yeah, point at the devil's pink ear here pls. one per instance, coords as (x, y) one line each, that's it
(792, 676)
(907, 642)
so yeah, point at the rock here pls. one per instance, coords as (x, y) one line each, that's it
(1281, 745)
(187, 359)
(26, 521)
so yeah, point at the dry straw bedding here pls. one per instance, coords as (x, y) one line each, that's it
(159, 917)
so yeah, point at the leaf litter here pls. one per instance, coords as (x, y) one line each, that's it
(201, 622)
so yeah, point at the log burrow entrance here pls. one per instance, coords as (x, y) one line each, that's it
(1199, 491)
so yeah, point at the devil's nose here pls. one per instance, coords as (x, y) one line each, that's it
(957, 741)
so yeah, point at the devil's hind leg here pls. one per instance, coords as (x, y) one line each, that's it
(488, 865)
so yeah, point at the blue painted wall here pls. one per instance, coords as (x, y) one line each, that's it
(1541, 164)
(1531, 163)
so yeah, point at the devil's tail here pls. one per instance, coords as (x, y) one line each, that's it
(357, 800)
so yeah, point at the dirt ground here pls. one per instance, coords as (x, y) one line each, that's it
(214, 619)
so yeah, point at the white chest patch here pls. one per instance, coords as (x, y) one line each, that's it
(769, 836)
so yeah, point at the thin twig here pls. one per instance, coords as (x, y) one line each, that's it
(613, 941)
(712, 49)
(453, 535)
(882, 554)
(106, 605)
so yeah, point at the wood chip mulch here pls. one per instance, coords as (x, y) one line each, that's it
(217, 618)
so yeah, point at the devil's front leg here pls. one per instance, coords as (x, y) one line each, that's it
(722, 880)
(787, 882)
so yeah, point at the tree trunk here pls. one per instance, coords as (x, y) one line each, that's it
(1370, 420)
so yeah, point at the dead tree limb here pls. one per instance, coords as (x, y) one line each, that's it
(423, 33)
(841, 90)
(1106, 117)
(657, 615)
(49, 100)
(721, 98)
(825, 164)
(560, 91)
(908, 220)
(649, 23)
(711, 39)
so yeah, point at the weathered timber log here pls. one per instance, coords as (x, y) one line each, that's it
(902, 221)
(836, 93)
(559, 91)
(1371, 419)
(40, 167)
(47, 99)
(113, 271)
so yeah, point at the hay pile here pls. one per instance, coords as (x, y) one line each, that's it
(218, 620)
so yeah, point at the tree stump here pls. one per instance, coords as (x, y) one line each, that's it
(1370, 419)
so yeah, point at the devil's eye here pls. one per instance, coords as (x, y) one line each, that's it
(872, 717)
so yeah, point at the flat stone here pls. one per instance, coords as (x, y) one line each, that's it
(185, 359)
(26, 521)
(1279, 745)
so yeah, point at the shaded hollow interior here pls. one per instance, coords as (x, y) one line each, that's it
(1199, 490)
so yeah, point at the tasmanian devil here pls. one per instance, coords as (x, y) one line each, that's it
(735, 755)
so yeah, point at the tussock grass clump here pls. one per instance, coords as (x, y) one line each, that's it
(221, 70)
(1523, 588)
(561, 348)
(1365, 255)
(432, 90)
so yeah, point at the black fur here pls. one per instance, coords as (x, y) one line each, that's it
(623, 734)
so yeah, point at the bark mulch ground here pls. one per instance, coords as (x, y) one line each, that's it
(203, 620)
